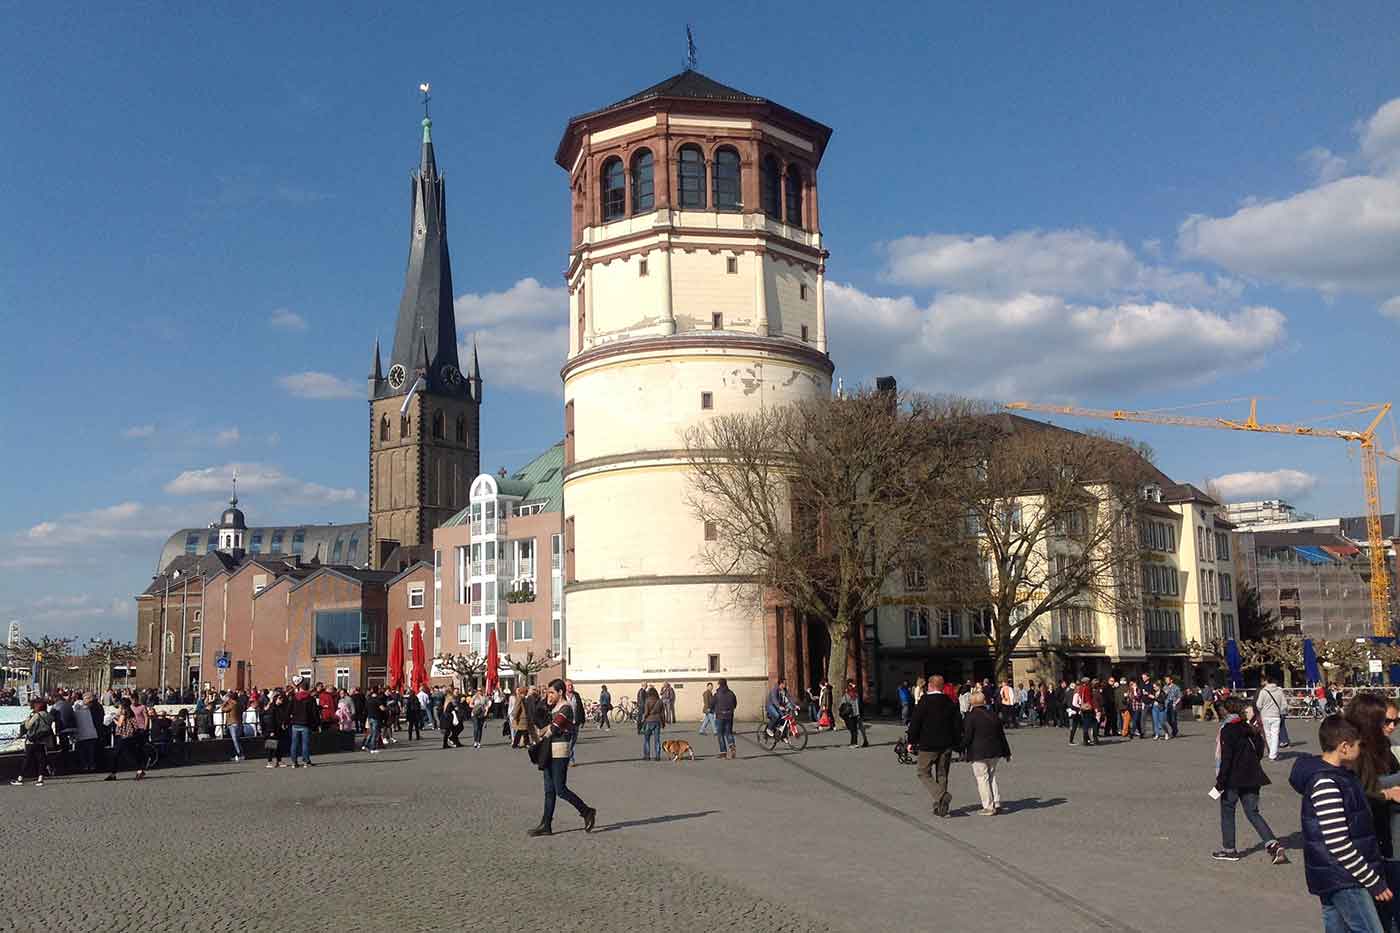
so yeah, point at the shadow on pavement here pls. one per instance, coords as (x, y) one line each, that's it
(670, 818)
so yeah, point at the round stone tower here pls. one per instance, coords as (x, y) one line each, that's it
(695, 289)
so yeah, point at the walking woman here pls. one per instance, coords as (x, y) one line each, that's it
(551, 756)
(653, 714)
(127, 743)
(1239, 745)
(38, 733)
(481, 706)
(984, 741)
(519, 719)
(850, 714)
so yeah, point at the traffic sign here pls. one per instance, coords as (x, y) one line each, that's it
(221, 664)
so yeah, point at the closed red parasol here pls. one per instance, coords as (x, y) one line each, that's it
(396, 660)
(493, 660)
(420, 671)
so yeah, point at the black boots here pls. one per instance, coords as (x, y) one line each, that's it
(589, 818)
(544, 829)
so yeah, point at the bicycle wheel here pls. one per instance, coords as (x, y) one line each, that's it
(619, 715)
(765, 741)
(799, 741)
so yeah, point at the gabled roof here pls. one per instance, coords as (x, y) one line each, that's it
(352, 574)
(411, 569)
(1185, 492)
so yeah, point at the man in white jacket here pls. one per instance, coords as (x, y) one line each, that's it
(1272, 703)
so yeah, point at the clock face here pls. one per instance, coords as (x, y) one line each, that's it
(397, 375)
(451, 376)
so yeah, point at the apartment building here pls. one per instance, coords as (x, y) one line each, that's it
(498, 565)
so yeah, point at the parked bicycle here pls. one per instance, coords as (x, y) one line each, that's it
(789, 731)
(624, 711)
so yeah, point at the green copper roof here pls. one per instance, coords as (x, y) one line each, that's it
(540, 480)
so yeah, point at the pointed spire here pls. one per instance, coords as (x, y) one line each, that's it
(233, 499)
(474, 377)
(377, 373)
(427, 164)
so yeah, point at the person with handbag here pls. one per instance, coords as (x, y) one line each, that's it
(481, 707)
(276, 720)
(38, 732)
(851, 713)
(551, 755)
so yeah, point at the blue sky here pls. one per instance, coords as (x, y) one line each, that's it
(205, 212)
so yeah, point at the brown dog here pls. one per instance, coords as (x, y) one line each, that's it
(678, 749)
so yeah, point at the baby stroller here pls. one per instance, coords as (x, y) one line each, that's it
(902, 750)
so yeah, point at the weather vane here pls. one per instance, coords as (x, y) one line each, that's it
(425, 87)
(691, 56)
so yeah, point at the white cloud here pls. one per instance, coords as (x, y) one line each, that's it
(125, 521)
(318, 385)
(1391, 308)
(1339, 235)
(1076, 263)
(256, 477)
(1325, 164)
(523, 334)
(139, 432)
(226, 438)
(288, 320)
(1273, 484)
(1042, 346)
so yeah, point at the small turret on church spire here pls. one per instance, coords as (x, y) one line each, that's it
(474, 377)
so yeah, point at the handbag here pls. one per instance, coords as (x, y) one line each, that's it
(270, 744)
(844, 710)
(539, 754)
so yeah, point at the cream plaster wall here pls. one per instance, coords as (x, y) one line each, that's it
(625, 404)
(700, 286)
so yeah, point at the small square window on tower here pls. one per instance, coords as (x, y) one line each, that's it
(711, 531)
(802, 291)
(714, 664)
(731, 265)
(716, 321)
(707, 400)
(804, 333)
(642, 268)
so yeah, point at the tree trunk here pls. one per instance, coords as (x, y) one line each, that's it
(836, 663)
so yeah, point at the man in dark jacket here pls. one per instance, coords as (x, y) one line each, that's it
(306, 715)
(357, 701)
(723, 706)
(935, 730)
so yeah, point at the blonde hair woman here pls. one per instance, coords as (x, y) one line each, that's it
(920, 688)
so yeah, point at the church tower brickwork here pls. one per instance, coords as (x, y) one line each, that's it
(424, 447)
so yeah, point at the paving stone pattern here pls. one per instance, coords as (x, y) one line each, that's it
(1110, 838)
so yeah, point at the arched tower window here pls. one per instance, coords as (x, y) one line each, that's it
(691, 177)
(727, 190)
(793, 202)
(383, 428)
(614, 191)
(462, 428)
(643, 185)
(437, 425)
(770, 188)
(404, 426)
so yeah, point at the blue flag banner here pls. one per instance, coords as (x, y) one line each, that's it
(1310, 668)
(1232, 661)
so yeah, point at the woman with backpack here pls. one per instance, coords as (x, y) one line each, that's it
(38, 732)
(1239, 746)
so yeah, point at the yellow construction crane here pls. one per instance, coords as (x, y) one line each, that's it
(1365, 439)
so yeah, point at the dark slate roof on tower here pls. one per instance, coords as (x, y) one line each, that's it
(692, 85)
(425, 311)
(689, 84)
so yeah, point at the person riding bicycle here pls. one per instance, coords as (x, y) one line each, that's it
(777, 705)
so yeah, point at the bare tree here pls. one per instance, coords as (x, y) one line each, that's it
(527, 667)
(102, 654)
(466, 667)
(817, 503)
(48, 652)
(1051, 517)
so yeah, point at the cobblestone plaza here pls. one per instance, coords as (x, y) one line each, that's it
(416, 838)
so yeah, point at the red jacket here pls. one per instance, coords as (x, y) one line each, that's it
(327, 704)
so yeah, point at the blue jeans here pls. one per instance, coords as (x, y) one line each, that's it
(1159, 721)
(1249, 802)
(1350, 910)
(651, 738)
(726, 734)
(372, 736)
(709, 721)
(556, 784)
(1136, 727)
(1171, 720)
(233, 729)
(301, 736)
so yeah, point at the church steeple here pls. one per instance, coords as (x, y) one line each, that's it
(425, 310)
